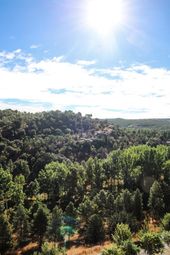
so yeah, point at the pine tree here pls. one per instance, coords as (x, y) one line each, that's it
(122, 233)
(127, 200)
(5, 234)
(70, 210)
(40, 223)
(95, 229)
(21, 222)
(55, 224)
(156, 200)
(138, 204)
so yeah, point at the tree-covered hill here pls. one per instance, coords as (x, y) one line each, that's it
(62, 172)
(41, 137)
(162, 124)
(38, 139)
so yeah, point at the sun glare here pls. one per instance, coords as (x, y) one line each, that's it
(104, 16)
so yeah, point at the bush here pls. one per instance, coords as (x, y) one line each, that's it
(122, 233)
(130, 248)
(166, 222)
(166, 237)
(123, 217)
(50, 250)
(114, 250)
(152, 243)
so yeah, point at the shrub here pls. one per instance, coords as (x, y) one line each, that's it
(114, 250)
(130, 248)
(50, 250)
(166, 222)
(122, 233)
(152, 243)
(166, 237)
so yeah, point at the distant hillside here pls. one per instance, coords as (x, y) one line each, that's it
(56, 136)
(162, 124)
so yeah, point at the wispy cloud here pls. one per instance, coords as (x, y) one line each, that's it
(138, 91)
(35, 46)
(4, 55)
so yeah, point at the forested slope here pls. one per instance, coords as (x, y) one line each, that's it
(62, 172)
(162, 124)
(51, 136)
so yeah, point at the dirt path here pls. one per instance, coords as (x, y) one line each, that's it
(28, 248)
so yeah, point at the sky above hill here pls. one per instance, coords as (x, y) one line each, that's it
(109, 58)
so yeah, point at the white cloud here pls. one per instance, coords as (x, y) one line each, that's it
(86, 62)
(139, 91)
(35, 46)
(26, 108)
(9, 56)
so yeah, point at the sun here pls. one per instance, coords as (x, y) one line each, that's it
(105, 16)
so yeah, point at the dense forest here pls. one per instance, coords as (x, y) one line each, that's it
(162, 124)
(63, 174)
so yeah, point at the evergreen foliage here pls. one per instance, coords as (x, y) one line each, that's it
(130, 248)
(62, 171)
(122, 233)
(166, 222)
(156, 200)
(6, 240)
(95, 229)
(138, 204)
(152, 243)
(21, 222)
(40, 223)
(46, 249)
(55, 224)
(114, 250)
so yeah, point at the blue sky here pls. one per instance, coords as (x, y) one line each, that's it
(51, 59)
